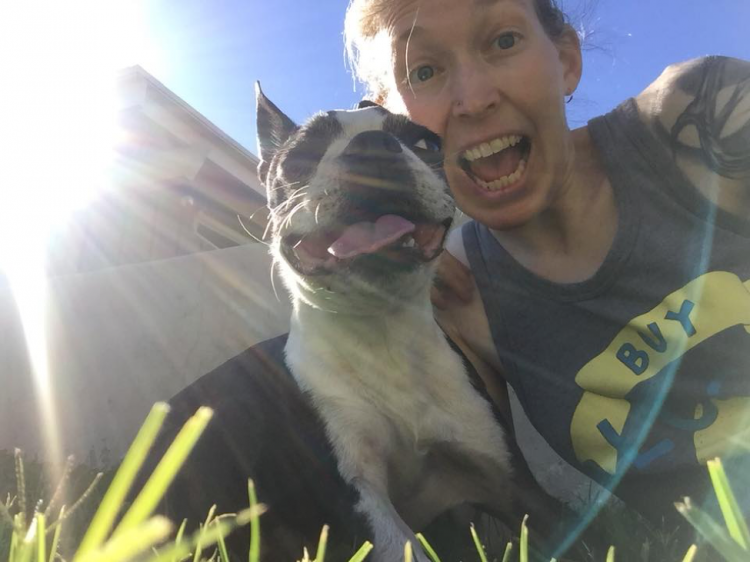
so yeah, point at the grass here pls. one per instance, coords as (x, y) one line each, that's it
(89, 531)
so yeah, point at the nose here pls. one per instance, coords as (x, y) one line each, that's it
(474, 93)
(373, 143)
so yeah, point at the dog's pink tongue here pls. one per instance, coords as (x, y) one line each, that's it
(368, 237)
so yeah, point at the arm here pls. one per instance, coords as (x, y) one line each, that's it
(464, 320)
(701, 110)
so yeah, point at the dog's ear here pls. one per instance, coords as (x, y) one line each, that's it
(367, 103)
(274, 128)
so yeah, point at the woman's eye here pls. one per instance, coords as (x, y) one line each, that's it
(505, 41)
(422, 74)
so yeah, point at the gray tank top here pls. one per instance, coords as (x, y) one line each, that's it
(644, 368)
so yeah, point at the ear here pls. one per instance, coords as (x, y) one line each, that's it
(569, 47)
(367, 103)
(274, 128)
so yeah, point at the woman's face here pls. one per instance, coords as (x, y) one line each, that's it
(486, 77)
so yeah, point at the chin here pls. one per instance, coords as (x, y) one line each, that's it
(509, 216)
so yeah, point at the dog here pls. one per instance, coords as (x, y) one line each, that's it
(365, 417)
(359, 213)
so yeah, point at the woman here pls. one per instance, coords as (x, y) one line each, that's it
(611, 261)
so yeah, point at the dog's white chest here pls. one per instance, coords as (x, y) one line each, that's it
(404, 372)
(393, 400)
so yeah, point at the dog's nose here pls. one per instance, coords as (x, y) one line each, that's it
(372, 143)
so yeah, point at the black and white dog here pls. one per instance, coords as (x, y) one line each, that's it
(382, 425)
(360, 210)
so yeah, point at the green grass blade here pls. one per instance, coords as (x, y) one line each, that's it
(611, 554)
(362, 553)
(477, 543)
(202, 531)
(20, 486)
(118, 490)
(13, 546)
(157, 484)
(407, 551)
(254, 553)
(523, 547)
(208, 538)
(58, 493)
(428, 548)
(178, 538)
(26, 545)
(712, 532)
(5, 514)
(223, 553)
(729, 508)
(508, 551)
(198, 546)
(131, 543)
(78, 503)
(41, 538)
(690, 554)
(320, 554)
(56, 536)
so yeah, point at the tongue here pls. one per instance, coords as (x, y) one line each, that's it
(494, 167)
(368, 237)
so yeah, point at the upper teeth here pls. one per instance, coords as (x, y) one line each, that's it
(489, 148)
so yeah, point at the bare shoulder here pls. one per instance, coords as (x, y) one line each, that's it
(701, 109)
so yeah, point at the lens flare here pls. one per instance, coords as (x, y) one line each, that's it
(58, 115)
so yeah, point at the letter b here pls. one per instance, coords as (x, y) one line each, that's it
(634, 359)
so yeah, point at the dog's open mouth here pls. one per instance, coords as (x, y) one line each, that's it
(392, 238)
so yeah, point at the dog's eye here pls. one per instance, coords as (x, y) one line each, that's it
(427, 144)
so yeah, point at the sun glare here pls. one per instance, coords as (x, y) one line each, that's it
(59, 61)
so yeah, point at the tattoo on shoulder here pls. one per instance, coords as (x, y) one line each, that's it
(715, 126)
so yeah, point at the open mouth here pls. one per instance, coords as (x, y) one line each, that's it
(392, 238)
(498, 164)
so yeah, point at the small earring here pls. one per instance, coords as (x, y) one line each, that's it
(570, 98)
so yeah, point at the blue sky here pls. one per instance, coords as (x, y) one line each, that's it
(210, 52)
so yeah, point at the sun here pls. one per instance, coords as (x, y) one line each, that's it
(58, 126)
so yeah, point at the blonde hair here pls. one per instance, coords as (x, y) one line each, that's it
(368, 45)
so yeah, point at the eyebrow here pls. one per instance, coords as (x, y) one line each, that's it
(416, 30)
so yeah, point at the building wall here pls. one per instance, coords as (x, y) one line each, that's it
(122, 338)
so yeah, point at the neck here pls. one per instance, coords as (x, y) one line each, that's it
(568, 241)
(417, 311)
(391, 321)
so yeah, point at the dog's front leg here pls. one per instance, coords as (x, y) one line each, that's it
(390, 532)
(363, 446)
